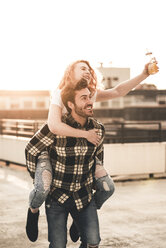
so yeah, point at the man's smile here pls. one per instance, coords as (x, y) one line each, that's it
(89, 107)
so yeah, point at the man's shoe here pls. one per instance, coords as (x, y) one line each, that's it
(74, 233)
(32, 225)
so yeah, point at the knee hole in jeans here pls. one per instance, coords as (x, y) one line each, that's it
(109, 188)
(106, 186)
(47, 179)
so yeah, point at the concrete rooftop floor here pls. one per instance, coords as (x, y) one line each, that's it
(134, 217)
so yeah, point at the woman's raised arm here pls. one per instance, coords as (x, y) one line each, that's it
(123, 88)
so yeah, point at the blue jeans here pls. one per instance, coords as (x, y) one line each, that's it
(43, 178)
(104, 189)
(86, 220)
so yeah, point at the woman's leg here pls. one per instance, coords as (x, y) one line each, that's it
(104, 189)
(104, 185)
(43, 179)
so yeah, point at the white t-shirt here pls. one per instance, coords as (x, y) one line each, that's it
(57, 100)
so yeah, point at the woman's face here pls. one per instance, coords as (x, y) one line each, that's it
(81, 70)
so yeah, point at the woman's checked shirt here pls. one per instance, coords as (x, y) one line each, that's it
(72, 159)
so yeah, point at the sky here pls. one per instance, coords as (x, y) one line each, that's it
(38, 39)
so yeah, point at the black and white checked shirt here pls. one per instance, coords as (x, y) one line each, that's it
(72, 159)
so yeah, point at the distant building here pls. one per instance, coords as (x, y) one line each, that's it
(38, 100)
(146, 86)
(145, 102)
(24, 104)
(17, 100)
(112, 76)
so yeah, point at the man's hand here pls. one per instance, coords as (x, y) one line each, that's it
(93, 137)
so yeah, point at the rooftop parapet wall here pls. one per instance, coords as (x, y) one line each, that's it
(119, 159)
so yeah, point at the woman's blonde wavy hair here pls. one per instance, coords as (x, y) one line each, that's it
(68, 76)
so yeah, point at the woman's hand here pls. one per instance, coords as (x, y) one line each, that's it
(93, 137)
(146, 70)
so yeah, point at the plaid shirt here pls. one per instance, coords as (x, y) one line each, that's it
(72, 159)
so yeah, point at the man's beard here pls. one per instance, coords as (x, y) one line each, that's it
(81, 112)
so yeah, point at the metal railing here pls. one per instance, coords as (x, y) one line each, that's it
(134, 132)
(19, 128)
(115, 132)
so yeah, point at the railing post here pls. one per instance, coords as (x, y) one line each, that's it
(122, 133)
(160, 132)
(7, 163)
(35, 127)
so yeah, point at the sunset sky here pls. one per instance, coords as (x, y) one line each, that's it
(38, 39)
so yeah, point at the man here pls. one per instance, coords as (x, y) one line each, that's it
(73, 162)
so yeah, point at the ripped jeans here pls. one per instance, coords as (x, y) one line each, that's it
(43, 178)
(104, 189)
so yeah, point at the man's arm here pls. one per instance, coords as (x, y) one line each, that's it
(39, 142)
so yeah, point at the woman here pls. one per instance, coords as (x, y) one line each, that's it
(74, 72)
